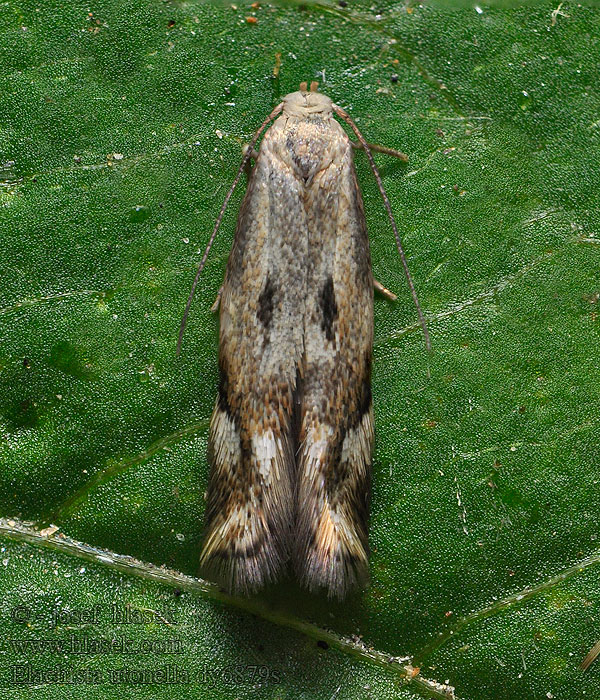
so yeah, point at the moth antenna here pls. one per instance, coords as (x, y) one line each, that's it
(245, 159)
(346, 117)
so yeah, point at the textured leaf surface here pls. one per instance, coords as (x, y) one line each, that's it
(121, 128)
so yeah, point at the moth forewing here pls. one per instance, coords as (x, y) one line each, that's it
(336, 426)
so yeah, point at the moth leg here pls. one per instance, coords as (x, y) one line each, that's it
(384, 291)
(253, 156)
(215, 307)
(382, 149)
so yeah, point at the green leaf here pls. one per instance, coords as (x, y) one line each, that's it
(121, 128)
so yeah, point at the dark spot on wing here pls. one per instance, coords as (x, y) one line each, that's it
(365, 392)
(328, 308)
(265, 304)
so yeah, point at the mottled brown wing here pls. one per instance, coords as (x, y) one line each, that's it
(250, 507)
(336, 419)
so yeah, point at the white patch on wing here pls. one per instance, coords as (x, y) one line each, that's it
(268, 451)
(226, 438)
(356, 448)
(313, 449)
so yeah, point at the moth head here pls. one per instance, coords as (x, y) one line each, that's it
(305, 103)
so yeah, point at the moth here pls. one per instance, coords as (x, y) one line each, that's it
(291, 434)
